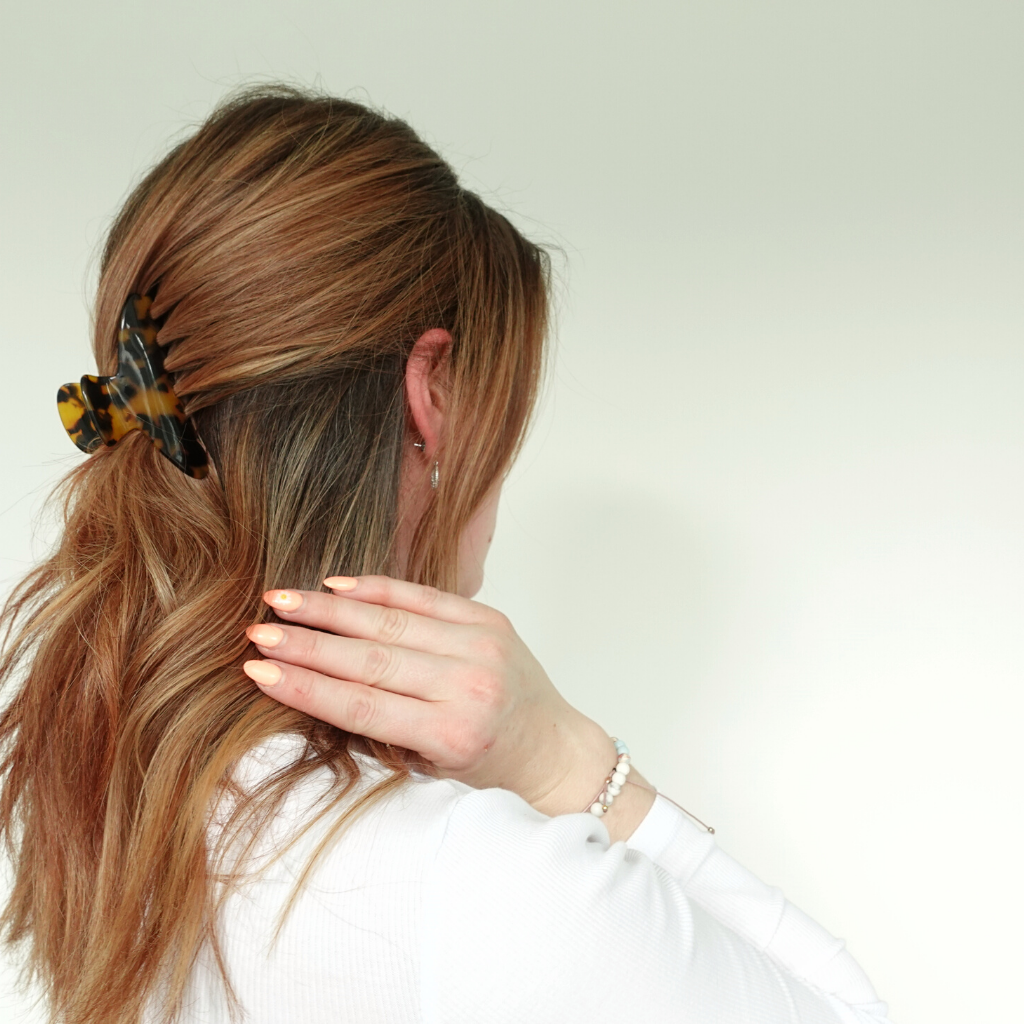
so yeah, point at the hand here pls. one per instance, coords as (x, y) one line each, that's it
(441, 675)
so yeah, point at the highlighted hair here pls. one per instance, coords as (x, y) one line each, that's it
(301, 245)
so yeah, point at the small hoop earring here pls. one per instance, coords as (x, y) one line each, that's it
(419, 444)
(435, 477)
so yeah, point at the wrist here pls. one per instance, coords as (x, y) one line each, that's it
(630, 808)
(585, 760)
(591, 762)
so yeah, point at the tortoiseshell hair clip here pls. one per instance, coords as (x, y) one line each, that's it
(101, 410)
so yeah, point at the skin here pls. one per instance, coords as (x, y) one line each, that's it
(435, 672)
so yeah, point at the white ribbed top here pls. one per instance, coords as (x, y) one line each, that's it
(448, 905)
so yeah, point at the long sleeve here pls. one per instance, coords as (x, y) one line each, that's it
(530, 918)
(441, 904)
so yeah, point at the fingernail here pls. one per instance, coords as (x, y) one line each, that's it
(341, 582)
(265, 635)
(286, 600)
(263, 672)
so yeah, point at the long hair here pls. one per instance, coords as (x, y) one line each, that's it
(299, 245)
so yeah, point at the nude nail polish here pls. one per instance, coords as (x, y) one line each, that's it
(264, 673)
(286, 600)
(265, 634)
(341, 582)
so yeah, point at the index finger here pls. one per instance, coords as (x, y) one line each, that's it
(413, 597)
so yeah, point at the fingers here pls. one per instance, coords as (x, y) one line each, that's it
(412, 597)
(385, 624)
(380, 665)
(353, 707)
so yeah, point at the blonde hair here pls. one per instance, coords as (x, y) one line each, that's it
(299, 245)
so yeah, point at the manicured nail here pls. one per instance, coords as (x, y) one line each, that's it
(263, 672)
(286, 600)
(341, 582)
(265, 635)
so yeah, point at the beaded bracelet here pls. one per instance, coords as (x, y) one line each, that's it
(615, 781)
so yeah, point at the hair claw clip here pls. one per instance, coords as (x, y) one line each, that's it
(101, 410)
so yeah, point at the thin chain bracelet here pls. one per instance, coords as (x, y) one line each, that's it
(615, 781)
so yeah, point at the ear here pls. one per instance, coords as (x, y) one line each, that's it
(425, 385)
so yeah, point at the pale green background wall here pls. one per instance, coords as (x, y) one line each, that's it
(769, 526)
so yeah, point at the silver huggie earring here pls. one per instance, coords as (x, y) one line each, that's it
(435, 477)
(419, 444)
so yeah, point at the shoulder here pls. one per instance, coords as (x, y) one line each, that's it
(495, 842)
(453, 822)
(313, 807)
(441, 833)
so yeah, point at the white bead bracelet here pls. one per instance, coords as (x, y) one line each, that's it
(615, 781)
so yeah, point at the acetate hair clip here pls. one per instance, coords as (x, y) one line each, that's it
(101, 410)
